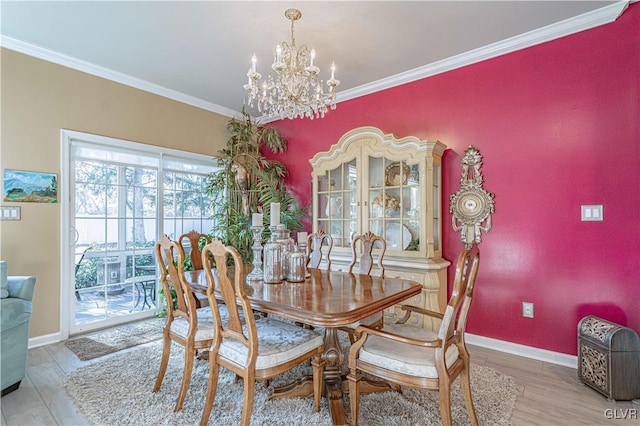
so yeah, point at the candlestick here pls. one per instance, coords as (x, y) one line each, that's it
(275, 214)
(256, 219)
(257, 273)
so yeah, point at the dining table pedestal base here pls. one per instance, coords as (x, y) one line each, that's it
(335, 382)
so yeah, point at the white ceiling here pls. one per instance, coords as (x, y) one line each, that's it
(199, 52)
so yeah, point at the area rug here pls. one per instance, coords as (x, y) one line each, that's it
(117, 391)
(115, 339)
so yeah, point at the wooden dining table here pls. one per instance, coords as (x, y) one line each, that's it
(329, 299)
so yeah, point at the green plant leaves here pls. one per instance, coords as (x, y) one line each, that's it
(247, 138)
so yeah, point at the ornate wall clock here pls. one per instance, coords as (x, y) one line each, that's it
(471, 206)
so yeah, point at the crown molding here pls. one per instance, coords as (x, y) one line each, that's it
(118, 77)
(554, 31)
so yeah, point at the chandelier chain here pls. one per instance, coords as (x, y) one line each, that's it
(293, 33)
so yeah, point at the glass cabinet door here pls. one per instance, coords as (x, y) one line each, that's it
(372, 181)
(394, 202)
(338, 204)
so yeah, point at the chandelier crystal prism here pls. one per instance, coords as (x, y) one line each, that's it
(296, 90)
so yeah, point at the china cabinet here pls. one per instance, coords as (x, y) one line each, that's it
(372, 181)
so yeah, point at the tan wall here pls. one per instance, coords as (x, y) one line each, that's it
(38, 99)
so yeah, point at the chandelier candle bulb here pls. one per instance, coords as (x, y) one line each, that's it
(254, 59)
(275, 214)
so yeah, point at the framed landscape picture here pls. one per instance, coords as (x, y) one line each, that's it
(30, 187)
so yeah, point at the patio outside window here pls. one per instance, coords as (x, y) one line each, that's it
(122, 201)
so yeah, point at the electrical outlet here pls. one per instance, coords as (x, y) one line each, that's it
(114, 275)
(527, 309)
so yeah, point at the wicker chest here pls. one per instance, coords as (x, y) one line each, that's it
(609, 358)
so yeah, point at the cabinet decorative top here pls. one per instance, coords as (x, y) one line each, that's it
(385, 140)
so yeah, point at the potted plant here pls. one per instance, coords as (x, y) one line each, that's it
(248, 182)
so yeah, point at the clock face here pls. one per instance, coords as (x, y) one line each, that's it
(470, 206)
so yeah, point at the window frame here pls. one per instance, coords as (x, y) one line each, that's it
(168, 160)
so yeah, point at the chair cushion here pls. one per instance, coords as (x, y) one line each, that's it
(4, 292)
(371, 319)
(278, 342)
(180, 326)
(402, 357)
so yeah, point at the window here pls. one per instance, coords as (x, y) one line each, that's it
(122, 197)
(186, 205)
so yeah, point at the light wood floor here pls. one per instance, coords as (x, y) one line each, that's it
(548, 394)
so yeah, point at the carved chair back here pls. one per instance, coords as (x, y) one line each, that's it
(365, 261)
(170, 256)
(454, 320)
(195, 255)
(316, 243)
(234, 297)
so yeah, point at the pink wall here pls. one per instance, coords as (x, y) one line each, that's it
(558, 126)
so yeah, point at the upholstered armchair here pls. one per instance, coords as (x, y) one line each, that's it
(15, 313)
(410, 356)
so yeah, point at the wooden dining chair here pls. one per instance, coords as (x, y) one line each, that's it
(186, 325)
(193, 238)
(263, 348)
(412, 356)
(365, 264)
(195, 255)
(316, 243)
(365, 260)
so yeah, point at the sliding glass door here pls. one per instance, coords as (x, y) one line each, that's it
(115, 223)
(121, 200)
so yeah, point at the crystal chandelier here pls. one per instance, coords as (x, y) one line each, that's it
(296, 90)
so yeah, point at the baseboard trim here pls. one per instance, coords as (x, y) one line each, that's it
(522, 350)
(485, 342)
(44, 340)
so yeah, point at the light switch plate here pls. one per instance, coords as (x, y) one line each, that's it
(592, 213)
(9, 213)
